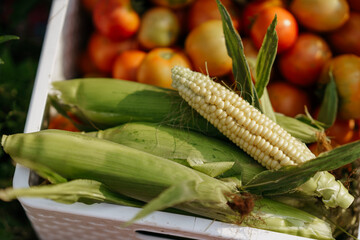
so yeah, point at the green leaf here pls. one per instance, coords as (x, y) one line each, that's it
(329, 105)
(5, 38)
(304, 131)
(266, 58)
(213, 169)
(266, 105)
(273, 182)
(176, 194)
(241, 69)
(80, 190)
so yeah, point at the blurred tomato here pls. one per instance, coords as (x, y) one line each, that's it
(127, 64)
(86, 65)
(342, 131)
(288, 99)
(303, 62)
(173, 4)
(286, 28)
(159, 28)
(354, 5)
(116, 19)
(103, 51)
(320, 15)
(89, 5)
(205, 10)
(346, 71)
(250, 50)
(346, 38)
(60, 122)
(252, 10)
(205, 45)
(156, 67)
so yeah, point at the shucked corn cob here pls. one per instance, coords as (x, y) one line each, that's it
(254, 132)
(143, 176)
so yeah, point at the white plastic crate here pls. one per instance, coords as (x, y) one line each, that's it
(52, 220)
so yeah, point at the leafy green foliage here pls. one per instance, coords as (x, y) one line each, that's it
(329, 105)
(266, 58)
(289, 178)
(241, 69)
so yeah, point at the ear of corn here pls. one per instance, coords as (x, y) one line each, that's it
(103, 103)
(255, 133)
(206, 154)
(75, 156)
(153, 179)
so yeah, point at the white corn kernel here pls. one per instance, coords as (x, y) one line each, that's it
(246, 126)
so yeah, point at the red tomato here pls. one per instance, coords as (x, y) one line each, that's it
(127, 64)
(286, 28)
(303, 62)
(252, 10)
(205, 10)
(116, 19)
(346, 72)
(103, 51)
(346, 38)
(320, 15)
(288, 99)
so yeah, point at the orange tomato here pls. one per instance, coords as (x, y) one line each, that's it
(103, 50)
(320, 15)
(159, 28)
(342, 131)
(62, 123)
(205, 46)
(205, 10)
(346, 72)
(127, 64)
(156, 67)
(116, 19)
(288, 99)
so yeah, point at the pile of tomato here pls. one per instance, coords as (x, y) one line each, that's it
(143, 44)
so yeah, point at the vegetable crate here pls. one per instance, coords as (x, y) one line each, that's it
(52, 220)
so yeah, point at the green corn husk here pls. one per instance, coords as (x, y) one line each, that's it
(152, 179)
(212, 156)
(103, 102)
